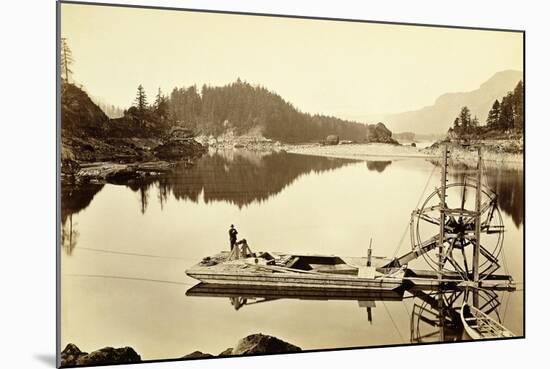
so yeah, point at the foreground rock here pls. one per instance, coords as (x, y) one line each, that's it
(72, 356)
(197, 355)
(263, 344)
(254, 344)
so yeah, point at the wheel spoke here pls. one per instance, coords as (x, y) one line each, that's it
(428, 219)
(464, 256)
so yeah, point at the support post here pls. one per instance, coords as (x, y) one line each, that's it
(369, 254)
(477, 243)
(442, 207)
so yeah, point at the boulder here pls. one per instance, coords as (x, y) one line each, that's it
(263, 344)
(179, 149)
(226, 352)
(379, 133)
(72, 355)
(197, 355)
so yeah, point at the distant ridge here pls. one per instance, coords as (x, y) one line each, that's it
(438, 117)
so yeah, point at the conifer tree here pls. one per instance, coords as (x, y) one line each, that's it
(494, 113)
(517, 103)
(141, 99)
(66, 60)
(465, 118)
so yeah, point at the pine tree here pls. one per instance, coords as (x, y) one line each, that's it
(141, 99)
(506, 117)
(66, 60)
(475, 122)
(161, 105)
(494, 113)
(517, 103)
(465, 117)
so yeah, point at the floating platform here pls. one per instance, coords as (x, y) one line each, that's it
(294, 270)
(328, 272)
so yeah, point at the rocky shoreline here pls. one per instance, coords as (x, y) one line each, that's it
(362, 151)
(495, 153)
(120, 165)
(254, 344)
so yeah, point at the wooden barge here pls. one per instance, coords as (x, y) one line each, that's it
(242, 267)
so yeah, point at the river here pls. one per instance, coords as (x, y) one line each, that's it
(125, 249)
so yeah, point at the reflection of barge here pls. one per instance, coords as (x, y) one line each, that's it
(462, 248)
(269, 294)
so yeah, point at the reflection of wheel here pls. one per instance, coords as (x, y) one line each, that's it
(436, 316)
(459, 229)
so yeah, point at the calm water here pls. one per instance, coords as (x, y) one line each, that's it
(125, 250)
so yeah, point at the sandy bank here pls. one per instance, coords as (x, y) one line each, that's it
(463, 156)
(361, 151)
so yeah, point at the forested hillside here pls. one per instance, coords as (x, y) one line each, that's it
(245, 108)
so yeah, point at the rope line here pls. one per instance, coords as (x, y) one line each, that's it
(131, 253)
(416, 207)
(393, 321)
(128, 278)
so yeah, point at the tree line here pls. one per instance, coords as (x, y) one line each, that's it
(242, 108)
(505, 115)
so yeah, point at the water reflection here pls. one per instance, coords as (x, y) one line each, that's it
(242, 178)
(74, 198)
(435, 314)
(506, 182)
(378, 165)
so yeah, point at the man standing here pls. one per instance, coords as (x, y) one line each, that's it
(232, 236)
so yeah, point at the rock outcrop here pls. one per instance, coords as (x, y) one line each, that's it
(263, 344)
(89, 136)
(197, 355)
(179, 149)
(254, 344)
(379, 133)
(72, 356)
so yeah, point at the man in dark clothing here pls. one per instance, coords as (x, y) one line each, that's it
(232, 236)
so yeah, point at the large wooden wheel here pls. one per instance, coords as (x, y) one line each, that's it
(456, 254)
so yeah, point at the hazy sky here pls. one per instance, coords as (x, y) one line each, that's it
(338, 68)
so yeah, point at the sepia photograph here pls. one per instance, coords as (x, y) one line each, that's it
(237, 184)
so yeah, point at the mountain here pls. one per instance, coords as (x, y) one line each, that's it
(438, 117)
